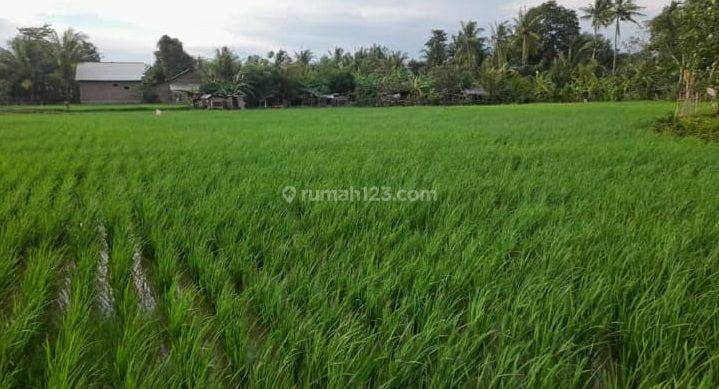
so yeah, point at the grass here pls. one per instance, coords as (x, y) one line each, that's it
(86, 108)
(569, 246)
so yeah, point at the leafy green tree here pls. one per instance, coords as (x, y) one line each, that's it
(445, 84)
(368, 89)
(28, 64)
(622, 11)
(341, 81)
(565, 66)
(665, 31)
(4, 90)
(556, 26)
(69, 49)
(543, 86)
(699, 36)
(171, 58)
(262, 78)
(435, 51)
(491, 78)
(419, 87)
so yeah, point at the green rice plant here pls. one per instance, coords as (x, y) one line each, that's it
(568, 246)
(24, 320)
(71, 358)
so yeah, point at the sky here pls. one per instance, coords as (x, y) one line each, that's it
(128, 30)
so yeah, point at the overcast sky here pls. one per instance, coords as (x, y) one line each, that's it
(127, 30)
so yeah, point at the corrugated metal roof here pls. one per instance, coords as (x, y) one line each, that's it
(110, 71)
(188, 87)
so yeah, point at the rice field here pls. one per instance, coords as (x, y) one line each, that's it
(565, 246)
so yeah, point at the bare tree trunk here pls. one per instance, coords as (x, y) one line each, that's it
(68, 92)
(688, 103)
(616, 48)
(596, 41)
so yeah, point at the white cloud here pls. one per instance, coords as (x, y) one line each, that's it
(128, 29)
(651, 7)
(7, 29)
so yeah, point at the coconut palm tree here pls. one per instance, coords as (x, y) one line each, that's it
(622, 11)
(16, 64)
(468, 45)
(68, 49)
(396, 60)
(237, 86)
(525, 34)
(567, 64)
(28, 60)
(304, 57)
(223, 67)
(436, 48)
(500, 36)
(281, 58)
(598, 14)
(339, 57)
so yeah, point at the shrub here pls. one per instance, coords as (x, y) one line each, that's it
(367, 89)
(517, 89)
(4, 92)
(148, 93)
(699, 126)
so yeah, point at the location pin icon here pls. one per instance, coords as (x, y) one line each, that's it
(289, 193)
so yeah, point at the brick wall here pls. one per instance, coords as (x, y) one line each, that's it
(101, 92)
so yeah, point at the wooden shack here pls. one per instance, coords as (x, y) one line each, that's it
(474, 95)
(333, 100)
(396, 98)
(180, 88)
(219, 101)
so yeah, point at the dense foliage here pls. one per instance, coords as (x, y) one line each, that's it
(540, 55)
(704, 127)
(38, 64)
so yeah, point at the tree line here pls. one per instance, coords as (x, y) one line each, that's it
(539, 55)
(38, 64)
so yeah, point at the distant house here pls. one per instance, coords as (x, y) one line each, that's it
(474, 95)
(179, 88)
(110, 82)
(396, 98)
(334, 100)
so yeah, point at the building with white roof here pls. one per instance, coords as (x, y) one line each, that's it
(110, 82)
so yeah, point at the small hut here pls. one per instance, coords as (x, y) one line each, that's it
(333, 100)
(396, 98)
(219, 101)
(474, 95)
(181, 88)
